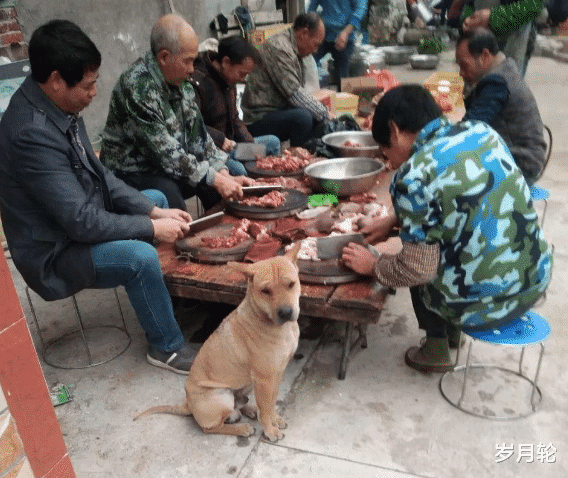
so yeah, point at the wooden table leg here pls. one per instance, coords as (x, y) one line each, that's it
(349, 348)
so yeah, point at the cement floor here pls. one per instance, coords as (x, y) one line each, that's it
(384, 420)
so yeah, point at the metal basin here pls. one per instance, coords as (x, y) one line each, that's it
(424, 62)
(336, 143)
(344, 176)
(398, 54)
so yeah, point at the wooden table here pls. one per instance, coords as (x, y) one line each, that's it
(358, 304)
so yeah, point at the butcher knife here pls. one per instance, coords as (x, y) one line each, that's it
(330, 247)
(261, 190)
(205, 222)
(249, 151)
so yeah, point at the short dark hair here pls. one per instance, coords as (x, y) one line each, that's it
(478, 40)
(411, 107)
(236, 49)
(310, 20)
(60, 45)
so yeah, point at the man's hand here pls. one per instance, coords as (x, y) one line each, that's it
(244, 180)
(228, 145)
(167, 229)
(377, 228)
(480, 18)
(342, 38)
(159, 213)
(359, 258)
(227, 187)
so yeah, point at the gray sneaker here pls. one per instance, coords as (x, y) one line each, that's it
(178, 361)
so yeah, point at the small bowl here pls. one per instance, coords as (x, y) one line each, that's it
(424, 62)
(336, 143)
(344, 176)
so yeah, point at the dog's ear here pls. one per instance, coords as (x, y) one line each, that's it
(243, 268)
(292, 253)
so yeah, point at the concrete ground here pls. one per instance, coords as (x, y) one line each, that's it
(383, 420)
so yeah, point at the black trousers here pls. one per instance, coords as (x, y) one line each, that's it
(175, 191)
(432, 323)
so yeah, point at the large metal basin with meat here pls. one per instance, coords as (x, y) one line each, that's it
(366, 147)
(344, 176)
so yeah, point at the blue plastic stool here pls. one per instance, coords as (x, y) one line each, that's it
(529, 329)
(540, 194)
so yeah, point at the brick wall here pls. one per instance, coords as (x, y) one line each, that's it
(12, 44)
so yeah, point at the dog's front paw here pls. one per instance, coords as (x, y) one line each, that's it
(279, 422)
(273, 434)
(245, 430)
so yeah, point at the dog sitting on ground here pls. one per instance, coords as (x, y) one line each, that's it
(249, 351)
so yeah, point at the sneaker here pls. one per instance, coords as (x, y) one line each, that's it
(178, 361)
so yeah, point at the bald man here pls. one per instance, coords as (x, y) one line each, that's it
(154, 136)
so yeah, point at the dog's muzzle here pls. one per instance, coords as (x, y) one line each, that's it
(285, 314)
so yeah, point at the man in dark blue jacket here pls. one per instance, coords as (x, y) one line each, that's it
(69, 222)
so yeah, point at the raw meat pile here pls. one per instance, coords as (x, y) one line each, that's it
(352, 144)
(308, 249)
(271, 200)
(291, 159)
(301, 184)
(243, 231)
(363, 198)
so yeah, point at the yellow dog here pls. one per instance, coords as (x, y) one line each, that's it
(249, 351)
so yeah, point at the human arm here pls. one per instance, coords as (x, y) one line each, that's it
(72, 197)
(150, 120)
(503, 19)
(491, 96)
(415, 264)
(284, 69)
(169, 225)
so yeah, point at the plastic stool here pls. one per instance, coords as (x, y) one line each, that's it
(86, 346)
(540, 194)
(529, 329)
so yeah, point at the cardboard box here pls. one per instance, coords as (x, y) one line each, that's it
(345, 103)
(258, 35)
(365, 88)
(447, 90)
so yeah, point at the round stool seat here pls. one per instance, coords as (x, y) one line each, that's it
(529, 328)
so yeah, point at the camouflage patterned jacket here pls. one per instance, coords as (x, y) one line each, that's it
(462, 190)
(155, 127)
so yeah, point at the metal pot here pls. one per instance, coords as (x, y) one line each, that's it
(336, 143)
(398, 54)
(424, 62)
(361, 61)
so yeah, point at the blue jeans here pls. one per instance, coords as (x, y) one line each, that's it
(134, 264)
(272, 143)
(340, 59)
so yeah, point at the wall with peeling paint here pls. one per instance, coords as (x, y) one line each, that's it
(121, 31)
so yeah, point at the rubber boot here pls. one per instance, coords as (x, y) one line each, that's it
(432, 357)
(455, 337)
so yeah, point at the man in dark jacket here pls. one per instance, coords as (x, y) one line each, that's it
(69, 222)
(498, 95)
(214, 81)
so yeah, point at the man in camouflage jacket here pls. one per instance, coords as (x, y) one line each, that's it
(472, 253)
(155, 136)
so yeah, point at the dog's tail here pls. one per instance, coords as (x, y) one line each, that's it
(171, 409)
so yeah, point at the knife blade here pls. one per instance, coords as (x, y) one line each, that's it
(330, 247)
(249, 151)
(205, 222)
(260, 190)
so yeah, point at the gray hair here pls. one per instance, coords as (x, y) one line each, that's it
(166, 36)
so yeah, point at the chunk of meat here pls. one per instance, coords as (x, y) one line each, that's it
(237, 235)
(271, 200)
(291, 159)
(352, 144)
